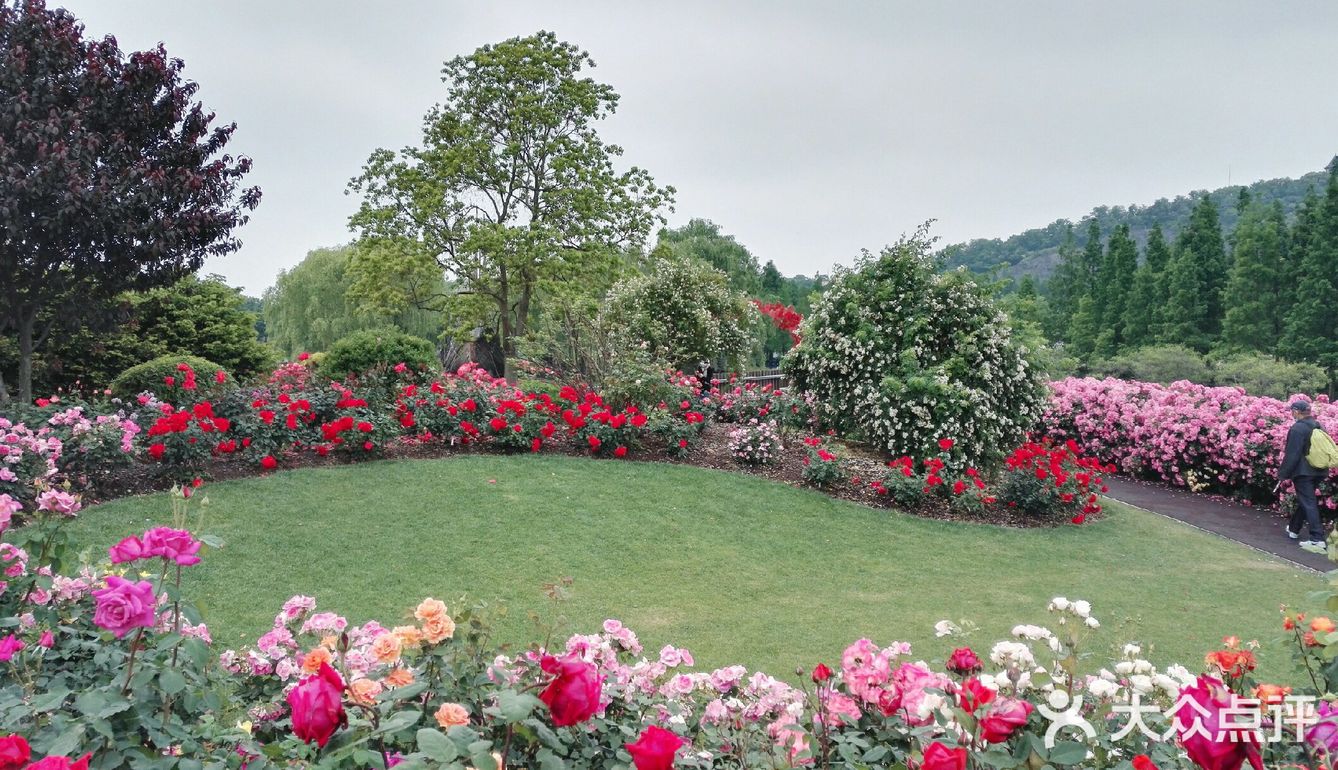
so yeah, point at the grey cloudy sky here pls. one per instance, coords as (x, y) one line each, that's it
(807, 130)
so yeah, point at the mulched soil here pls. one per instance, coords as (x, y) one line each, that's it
(712, 451)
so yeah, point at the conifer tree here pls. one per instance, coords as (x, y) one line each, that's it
(1147, 298)
(1257, 292)
(1311, 332)
(1195, 280)
(1116, 279)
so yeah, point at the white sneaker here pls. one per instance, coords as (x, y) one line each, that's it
(1314, 546)
(1291, 534)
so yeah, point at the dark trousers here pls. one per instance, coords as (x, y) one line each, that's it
(1307, 508)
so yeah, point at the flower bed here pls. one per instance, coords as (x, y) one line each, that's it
(1215, 440)
(113, 663)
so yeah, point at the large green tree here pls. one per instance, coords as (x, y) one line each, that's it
(1147, 297)
(315, 303)
(702, 239)
(1195, 280)
(1115, 282)
(111, 176)
(511, 186)
(1259, 288)
(1312, 320)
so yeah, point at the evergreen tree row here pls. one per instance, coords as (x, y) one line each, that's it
(1271, 287)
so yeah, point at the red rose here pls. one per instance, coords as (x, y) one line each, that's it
(620, 452)
(498, 424)
(536, 444)
(156, 451)
(821, 673)
(1144, 762)
(268, 462)
(14, 752)
(169, 381)
(60, 763)
(220, 376)
(1004, 718)
(573, 695)
(654, 749)
(368, 446)
(974, 695)
(317, 706)
(365, 427)
(594, 442)
(963, 661)
(303, 356)
(945, 444)
(940, 757)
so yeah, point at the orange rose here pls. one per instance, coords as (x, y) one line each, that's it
(364, 690)
(1322, 625)
(311, 662)
(430, 608)
(438, 629)
(400, 677)
(409, 636)
(386, 648)
(329, 642)
(1231, 642)
(1288, 624)
(451, 715)
(1271, 694)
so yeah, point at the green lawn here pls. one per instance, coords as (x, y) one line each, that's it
(735, 568)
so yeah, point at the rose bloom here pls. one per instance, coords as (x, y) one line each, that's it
(386, 648)
(430, 608)
(573, 695)
(364, 690)
(14, 752)
(940, 757)
(451, 715)
(1322, 625)
(654, 749)
(60, 763)
(409, 636)
(963, 661)
(317, 706)
(312, 661)
(1003, 718)
(400, 677)
(438, 629)
(124, 605)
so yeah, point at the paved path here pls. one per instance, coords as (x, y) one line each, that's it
(1256, 527)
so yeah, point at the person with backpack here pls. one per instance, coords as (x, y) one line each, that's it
(1298, 469)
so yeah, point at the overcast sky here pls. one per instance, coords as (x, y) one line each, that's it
(806, 130)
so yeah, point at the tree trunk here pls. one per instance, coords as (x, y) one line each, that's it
(26, 358)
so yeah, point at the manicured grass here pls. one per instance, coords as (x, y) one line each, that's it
(735, 568)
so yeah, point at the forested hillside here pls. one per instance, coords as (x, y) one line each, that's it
(1035, 252)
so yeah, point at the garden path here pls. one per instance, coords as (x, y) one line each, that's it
(1257, 528)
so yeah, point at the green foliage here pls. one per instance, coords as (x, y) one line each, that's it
(683, 311)
(193, 317)
(369, 349)
(904, 356)
(1263, 375)
(1116, 278)
(316, 302)
(1195, 279)
(1160, 363)
(151, 377)
(1147, 296)
(1259, 287)
(701, 239)
(511, 187)
(1312, 319)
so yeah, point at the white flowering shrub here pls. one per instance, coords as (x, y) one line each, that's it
(904, 356)
(684, 311)
(756, 443)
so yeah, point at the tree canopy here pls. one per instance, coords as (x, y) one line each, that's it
(112, 177)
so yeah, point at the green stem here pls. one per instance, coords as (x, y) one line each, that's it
(130, 666)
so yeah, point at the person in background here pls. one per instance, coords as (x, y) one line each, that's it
(1304, 477)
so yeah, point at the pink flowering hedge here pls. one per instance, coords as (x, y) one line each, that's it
(112, 667)
(1216, 440)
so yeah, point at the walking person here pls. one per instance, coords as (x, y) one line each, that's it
(1304, 477)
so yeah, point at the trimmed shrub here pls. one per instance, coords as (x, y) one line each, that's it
(372, 348)
(167, 381)
(1160, 363)
(1262, 375)
(904, 356)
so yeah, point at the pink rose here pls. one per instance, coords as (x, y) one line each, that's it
(128, 549)
(58, 502)
(14, 752)
(60, 763)
(8, 507)
(172, 544)
(317, 706)
(1004, 718)
(47, 641)
(124, 605)
(1207, 735)
(8, 646)
(573, 695)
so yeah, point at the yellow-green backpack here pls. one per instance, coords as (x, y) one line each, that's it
(1323, 452)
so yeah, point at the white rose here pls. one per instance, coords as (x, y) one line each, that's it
(1082, 608)
(1092, 622)
(1059, 603)
(1124, 668)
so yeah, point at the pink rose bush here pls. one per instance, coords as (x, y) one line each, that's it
(1217, 440)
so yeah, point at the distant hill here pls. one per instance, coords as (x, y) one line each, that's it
(1035, 252)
